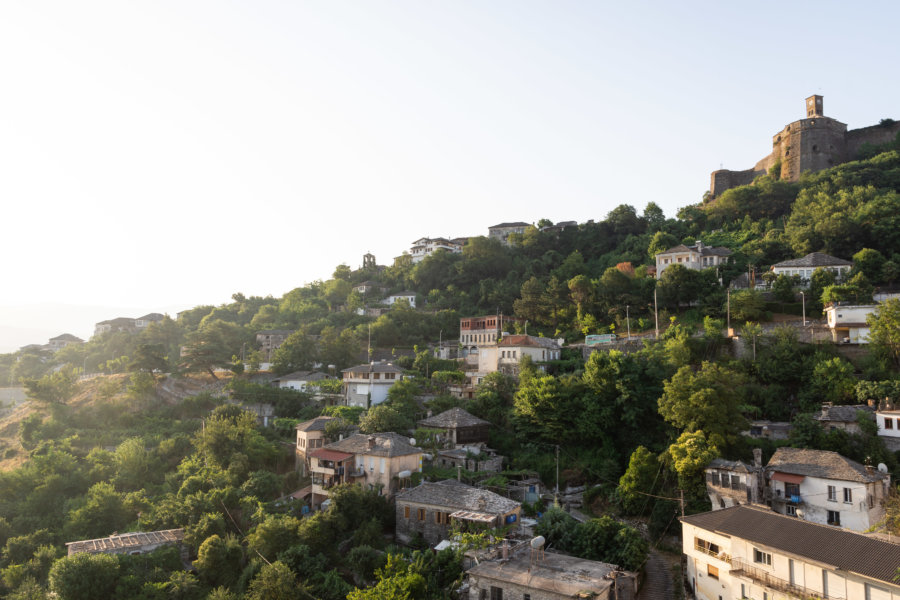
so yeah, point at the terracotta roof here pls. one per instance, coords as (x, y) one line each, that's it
(126, 540)
(317, 424)
(328, 454)
(386, 444)
(453, 418)
(845, 550)
(815, 259)
(820, 463)
(458, 496)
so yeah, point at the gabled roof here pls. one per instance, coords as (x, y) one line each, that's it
(373, 368)
(66, 337)
(505, 225)
(703, 251)
(843, 413)
(317, 424)
(127, 540)
(453, 418)
(386, 444)
(528, 341)
(730, 465)
(456, 495)
(820, 463)
(303, 376)
(845, 550)
(151, 317)
(815, 259)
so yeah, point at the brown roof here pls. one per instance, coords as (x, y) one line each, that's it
(453, 418)
(820, 463)
(126, 540)
(845, 550)
(386, 444)
(459, 496)
(328, 454)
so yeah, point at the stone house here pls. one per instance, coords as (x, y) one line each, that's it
(460, 427)
(61, 341)
(696, 257)
(270, 340)
(144, 322)
(379, 461)
(804, 267)
(367, 385)
(477, 460)
(128, 543)
(729, 483)
(535, 574)
(749, 552)
(117, 324)
(430, 509)
(843, 416)
(769, 430)
(513, 347)
(310, 436)
(826, 488)
(502, 231)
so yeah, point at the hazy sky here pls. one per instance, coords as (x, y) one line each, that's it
(159, 155)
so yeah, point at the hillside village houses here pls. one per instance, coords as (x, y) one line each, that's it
(803, 267)
(310, 436)
(849, 322)
(127, 324)
(367, 385)
(61, 341)
(696, 257)
(407, 295)
(752, 552)
(888, 419)
(270, 340)
(502, 231)
(423, 247)
(300, 380)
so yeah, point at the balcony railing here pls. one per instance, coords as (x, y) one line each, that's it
(718, 555)
(740, 567)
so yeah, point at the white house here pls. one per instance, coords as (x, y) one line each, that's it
(148, 319)
(888, 419)
(422, 247)
(61, 341)
(299, 380)
(848, 322)
(804, 267)
(696, 257)
(405, 295)
(512, 348)
(827, 488)
(367, 385)
(751, 552)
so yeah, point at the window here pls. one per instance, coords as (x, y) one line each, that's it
(791, 489)
(834, 518)
(707, 547)
(760, 557)
(526, 596)
(715, 478)
(848, 496)
(420, 514)
(405, 512)
(791, 510)
(832, 493)
(712, 571)
(496, 593)
(888, 423)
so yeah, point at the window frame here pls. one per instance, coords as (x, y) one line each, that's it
(761, 557)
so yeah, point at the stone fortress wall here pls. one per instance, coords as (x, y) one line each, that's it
(811, 144)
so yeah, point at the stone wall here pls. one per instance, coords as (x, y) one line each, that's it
(411, 521)
(723, 179)
(875, 135)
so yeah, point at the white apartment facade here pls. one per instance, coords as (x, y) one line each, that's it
(696, 257)
(848, 322)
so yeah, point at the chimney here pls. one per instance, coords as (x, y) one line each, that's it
(505, 550)
(371, 442)
(757, 457)
(459, 472)
(871, 402)
(699, 244)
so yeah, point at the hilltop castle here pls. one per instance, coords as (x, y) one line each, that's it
(811, 144)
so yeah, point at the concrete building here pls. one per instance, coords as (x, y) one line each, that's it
(128, 543)
(431, 509)
(61, 341)
(423, 247)
(848, 323)
(300, 380)
(117, 324)
(460, 427)
(144, 322)
(696, 257)
(367, 385)
(310, 436)
(804, 267)
(535, 574)
(827, 488)
(407, 295)
(502, 231)
(512, 348)
(270, 340)
(748, 552)
(888, 419)
(811, 144)
(378, 461)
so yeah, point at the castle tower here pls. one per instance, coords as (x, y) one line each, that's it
(814, 107)
(368, 260)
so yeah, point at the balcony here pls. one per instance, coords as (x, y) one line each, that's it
(742, 568)
(717, 555)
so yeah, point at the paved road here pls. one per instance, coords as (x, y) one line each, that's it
(658, 582)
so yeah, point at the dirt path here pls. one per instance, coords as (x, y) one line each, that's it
(658, 581)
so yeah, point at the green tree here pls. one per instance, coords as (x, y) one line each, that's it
(783, 288)
(383, 418)
(55, 388)
(219, 561)
(212, 346)
(639, 479)
(85, 576)
(274, 582)
(275, 534)
(690, 455)
(884, 333)
(869, 262)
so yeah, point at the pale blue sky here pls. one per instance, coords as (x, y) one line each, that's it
(159, 155)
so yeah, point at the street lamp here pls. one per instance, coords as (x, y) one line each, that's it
(803, 297)
(628, 321)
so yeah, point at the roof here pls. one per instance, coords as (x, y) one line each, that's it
(66, 337)
(528, 340)
(275, 332)
(453, 418)
(458, 496)
(329, 454)
(820, 463)
(845, 550)
(386, 444)
(152, 317)
(730, 465)
(843, 413)
(558, 574)
(126, 540)
(504, 225)
(303, 376)
(317, 424)
(815, 259)
(374, 368)
(704, 250)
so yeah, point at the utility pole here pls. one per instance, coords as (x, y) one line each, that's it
(656, 313)
(728, 312)
(803, 297)
(557, 474)
(628, 321)
(681, 492)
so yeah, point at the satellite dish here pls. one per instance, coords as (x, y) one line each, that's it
(882, 468)
(538, 542)
(412, 441)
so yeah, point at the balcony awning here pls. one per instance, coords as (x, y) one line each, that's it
(466, 515)
(326, 454)
(787, 477)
